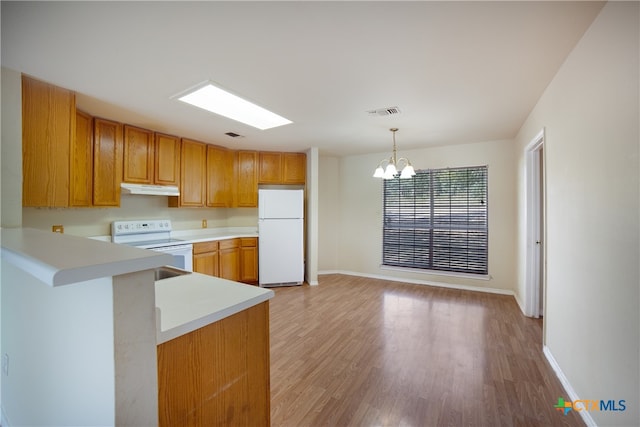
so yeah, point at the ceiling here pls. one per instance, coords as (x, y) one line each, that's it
(459, 72)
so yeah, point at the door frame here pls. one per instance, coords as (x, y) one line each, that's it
(535, 221)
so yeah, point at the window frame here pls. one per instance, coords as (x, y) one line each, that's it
(458, 242)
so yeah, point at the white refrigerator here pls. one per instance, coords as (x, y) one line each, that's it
(280, 237)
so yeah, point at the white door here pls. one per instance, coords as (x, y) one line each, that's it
(535, 266)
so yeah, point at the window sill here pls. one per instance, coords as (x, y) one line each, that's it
(485, 277)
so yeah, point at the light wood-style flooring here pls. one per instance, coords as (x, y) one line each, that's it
(362, 352)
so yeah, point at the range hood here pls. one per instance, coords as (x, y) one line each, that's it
(150, 190)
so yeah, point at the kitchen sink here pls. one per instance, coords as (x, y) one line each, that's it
(167, 272)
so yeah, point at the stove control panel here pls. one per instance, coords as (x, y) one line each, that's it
(119, 228)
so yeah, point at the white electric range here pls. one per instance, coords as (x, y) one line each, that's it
(154, 235)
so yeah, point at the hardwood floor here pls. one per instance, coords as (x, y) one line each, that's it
(358, 351)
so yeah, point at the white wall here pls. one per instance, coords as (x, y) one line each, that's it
(329, 209)
(11, 149)
(61, 351)
(591, 116)
(352, 236)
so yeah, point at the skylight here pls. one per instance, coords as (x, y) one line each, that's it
(218, 101)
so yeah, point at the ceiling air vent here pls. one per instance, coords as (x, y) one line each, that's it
(384, 111)
(232, 134)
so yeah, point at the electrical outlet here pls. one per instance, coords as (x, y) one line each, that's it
(204, 223)
(5, 364)
(57, 228)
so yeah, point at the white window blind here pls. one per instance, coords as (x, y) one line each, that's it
(437, 220)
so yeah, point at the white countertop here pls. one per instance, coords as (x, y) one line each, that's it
(203, 234)
(189, 302)
(61, 259)
(208, 234)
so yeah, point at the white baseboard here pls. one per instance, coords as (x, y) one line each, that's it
(573, 396)
(420, 282)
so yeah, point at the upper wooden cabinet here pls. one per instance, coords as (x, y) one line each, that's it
(193, 168)
(294, 168)
(139, 150)
(270, 168)
(167, 160)
(48, 129)
(282, 168)
(219, 177)
(81, 176)
(107, 162)
(246, 179)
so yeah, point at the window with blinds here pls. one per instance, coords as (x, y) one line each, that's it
(438, 220)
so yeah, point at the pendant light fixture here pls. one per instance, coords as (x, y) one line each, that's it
(393, 163)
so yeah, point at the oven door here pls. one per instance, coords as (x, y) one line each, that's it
(182, 255)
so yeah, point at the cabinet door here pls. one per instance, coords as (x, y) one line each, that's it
(294, 168)
(246, 189)
(193, 165)
(270, 168)
(206, 263)
(138, 155)
(107, 162)
(249, 260)
(205, 258)
(167, 160)
(81, 178)
(48, 127)
(217, 177)
(230, 259)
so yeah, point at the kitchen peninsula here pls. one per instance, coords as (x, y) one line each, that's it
(80, 336)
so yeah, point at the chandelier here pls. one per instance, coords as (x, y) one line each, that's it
(392, 164)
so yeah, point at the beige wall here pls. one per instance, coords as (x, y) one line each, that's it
(350, 227)
(328, 213)
(590, 115)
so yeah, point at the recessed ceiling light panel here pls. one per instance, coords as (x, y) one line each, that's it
(211, 98)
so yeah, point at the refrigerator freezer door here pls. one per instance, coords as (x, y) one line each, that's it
(280, 203)
(281, 254)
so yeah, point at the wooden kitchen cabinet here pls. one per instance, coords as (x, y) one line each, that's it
(249, 260)
(150, 158)
(107, 162)
(139, 150)
(167, 160)
(48, 128)
(270, 168)
(81, 174)
(282, 168)
(206, 258)
(229, 251)
(294, 168)
(193, 171)
(233, 259)
(219, 177)
(246, 179)
(218, 375)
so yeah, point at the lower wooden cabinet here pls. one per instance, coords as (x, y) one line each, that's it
(249, 260)
(205, 258)
(232, 259)
(217, 375)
